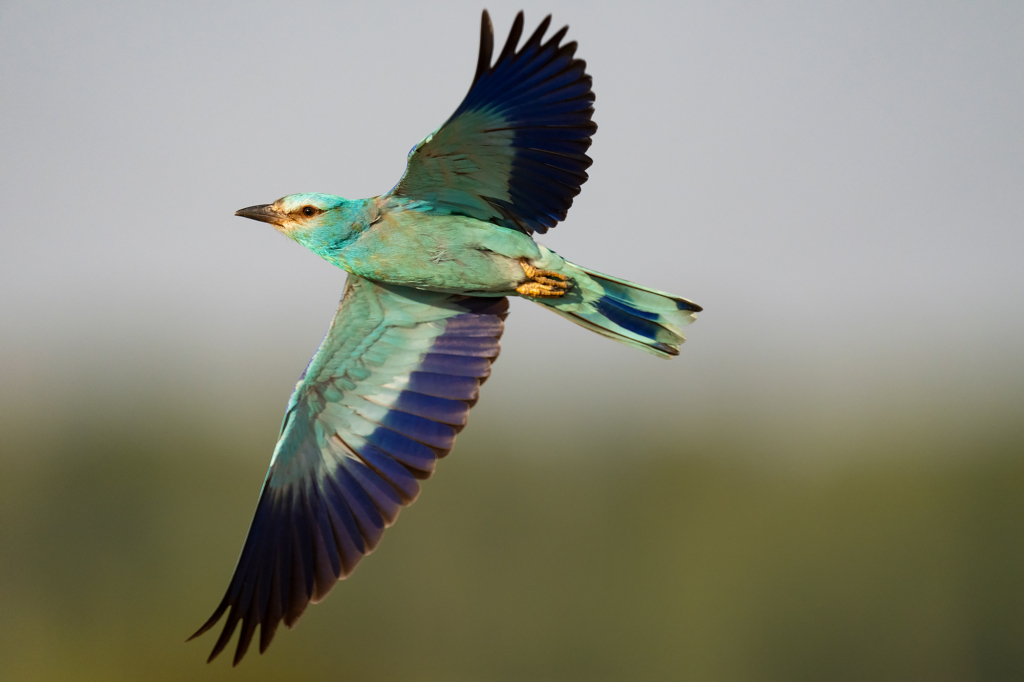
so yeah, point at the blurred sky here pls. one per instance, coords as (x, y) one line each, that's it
(840, 185)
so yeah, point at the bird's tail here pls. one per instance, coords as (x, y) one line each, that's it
(629, 313)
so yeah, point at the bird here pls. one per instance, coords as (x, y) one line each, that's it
(430, 267)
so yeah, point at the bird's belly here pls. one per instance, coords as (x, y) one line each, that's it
(464, 272)
(442, 254)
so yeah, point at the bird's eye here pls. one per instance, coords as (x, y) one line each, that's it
(309, 211)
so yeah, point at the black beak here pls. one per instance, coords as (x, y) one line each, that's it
(264, 213)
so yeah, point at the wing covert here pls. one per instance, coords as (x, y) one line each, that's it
(383, 397)
(514, 152)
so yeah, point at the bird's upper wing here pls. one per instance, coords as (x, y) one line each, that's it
(514, 152)
(382, 399)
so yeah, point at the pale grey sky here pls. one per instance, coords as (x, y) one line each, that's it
(840, 185)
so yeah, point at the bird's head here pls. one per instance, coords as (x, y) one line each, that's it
(310, 219)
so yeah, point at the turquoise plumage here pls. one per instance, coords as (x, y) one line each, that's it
(430, 265)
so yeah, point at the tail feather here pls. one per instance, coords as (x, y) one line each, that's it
(631, 314)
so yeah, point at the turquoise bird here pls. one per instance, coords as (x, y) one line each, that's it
(430, 266)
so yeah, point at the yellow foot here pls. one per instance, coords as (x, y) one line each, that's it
(542, 283)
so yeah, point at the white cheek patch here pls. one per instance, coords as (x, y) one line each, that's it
(290, 228)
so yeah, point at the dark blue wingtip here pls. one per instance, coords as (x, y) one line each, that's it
(687, 305)
(486, 46)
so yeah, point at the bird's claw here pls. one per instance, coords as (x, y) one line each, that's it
(542, 283)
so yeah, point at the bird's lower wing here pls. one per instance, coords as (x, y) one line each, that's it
(382, 399)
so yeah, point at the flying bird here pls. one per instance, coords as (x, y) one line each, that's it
(430, 266)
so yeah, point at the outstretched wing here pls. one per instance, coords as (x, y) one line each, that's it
(514, 152)
(382, 399)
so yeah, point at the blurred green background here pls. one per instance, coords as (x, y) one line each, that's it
(580, 555)
(828, 484)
